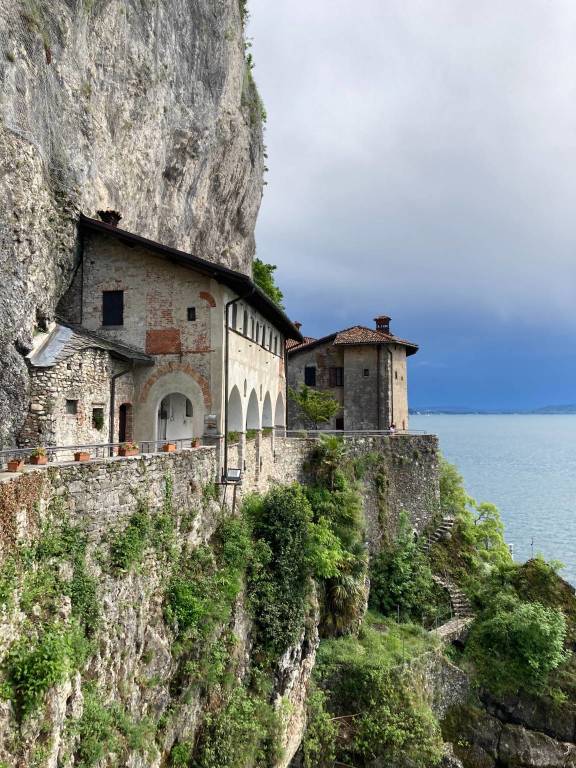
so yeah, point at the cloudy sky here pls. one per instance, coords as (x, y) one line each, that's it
(422, 159)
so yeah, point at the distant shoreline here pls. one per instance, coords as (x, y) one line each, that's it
(472, 412)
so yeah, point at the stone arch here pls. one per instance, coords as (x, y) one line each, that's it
(267, 420)
(280, 412)
(208, 298)
(253, 412)
(171, 368)
(181, 383)
(235, 414)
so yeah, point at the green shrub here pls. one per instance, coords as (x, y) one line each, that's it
(127, 547)
(33, 665)
(106, 728)
(400, 577)
(381, 710)
(476, 548)
(240, 735)
(516, 645)
(319, 742)
(181, 754)
(279, 574)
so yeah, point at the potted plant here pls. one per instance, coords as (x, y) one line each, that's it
(16, 465)
(39, 456)
(169, 447)
(128, 449)
(82, 456)
(196, 442)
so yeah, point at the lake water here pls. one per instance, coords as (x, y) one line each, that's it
(526, 465)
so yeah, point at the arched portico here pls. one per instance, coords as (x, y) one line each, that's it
(280, 412)
(253, 412)
(235, 412)
(267, 419)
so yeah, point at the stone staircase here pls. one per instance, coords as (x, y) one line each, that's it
(460, 604)
(444, 531)
(461, 607)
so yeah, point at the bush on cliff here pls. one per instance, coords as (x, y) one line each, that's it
(279, 572)
(516, 645)
(476, 547)
(338, 555)
(401, 580)
(373, 710)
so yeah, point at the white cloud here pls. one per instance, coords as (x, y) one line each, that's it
(421, 150)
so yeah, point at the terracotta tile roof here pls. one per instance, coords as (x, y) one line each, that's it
(292, 343)
(357, 334)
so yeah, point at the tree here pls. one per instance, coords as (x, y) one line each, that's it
(264, 278)
(515, 645)
(315, 406)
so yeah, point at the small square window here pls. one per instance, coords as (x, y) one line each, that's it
(366, 372)
(72, 407)
(191, 313)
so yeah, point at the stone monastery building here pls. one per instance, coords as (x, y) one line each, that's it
(155, 344)
(363, 368)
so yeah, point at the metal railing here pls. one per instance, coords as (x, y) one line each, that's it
(58, 454)
(316, 433)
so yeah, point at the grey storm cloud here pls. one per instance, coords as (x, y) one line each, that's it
(422, 153)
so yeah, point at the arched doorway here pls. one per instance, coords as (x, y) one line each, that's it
(175, 417)
(125, 423)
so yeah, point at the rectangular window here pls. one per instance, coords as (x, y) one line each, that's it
(189, 411)
(310, 375)
(191, 314)
(339, 422)
(98, 418)
(71, 407)
(112, 307)
(366, 372)
(336, 377)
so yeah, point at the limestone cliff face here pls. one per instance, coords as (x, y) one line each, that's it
(143, 106)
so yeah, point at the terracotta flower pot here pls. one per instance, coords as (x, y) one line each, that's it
(128, 451)
(81, 456)
(15, 465)
(39, 459)
(169, 447)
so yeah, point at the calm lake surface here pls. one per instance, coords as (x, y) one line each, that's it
(526, 465)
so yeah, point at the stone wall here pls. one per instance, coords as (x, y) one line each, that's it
(133, 663)
(83, 379)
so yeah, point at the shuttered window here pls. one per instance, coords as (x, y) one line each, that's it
(336, 377)
(310, 375)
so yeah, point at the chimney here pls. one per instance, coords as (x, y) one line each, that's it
(382, 323)
(110, 217)
(297, 325)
